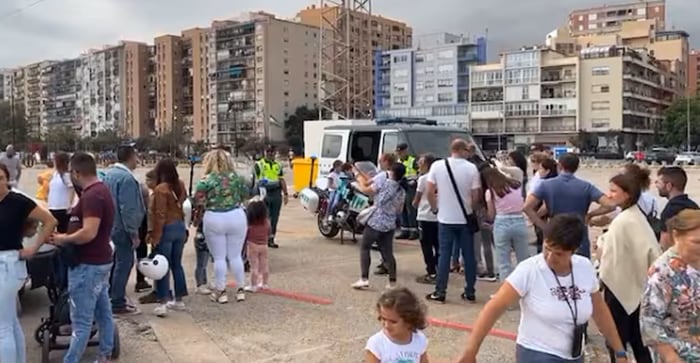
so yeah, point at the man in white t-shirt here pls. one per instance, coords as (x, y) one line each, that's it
(454, 228)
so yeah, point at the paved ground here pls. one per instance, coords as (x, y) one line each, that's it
(311, 315)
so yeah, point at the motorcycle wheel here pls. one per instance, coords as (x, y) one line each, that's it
(328, 230)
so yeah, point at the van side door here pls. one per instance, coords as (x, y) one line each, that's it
(390, 139)
(334, 146)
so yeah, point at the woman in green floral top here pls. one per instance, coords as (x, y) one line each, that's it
(670, 312)
(219, 198)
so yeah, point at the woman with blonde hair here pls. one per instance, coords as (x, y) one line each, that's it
(219, 197)
(671, 300)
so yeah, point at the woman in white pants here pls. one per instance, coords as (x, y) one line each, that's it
(219, 199)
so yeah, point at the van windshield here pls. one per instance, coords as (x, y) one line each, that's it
(436, 142)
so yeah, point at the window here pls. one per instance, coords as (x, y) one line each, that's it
(400, 87)
(429, 70)
(526, 93)
(442, 83)
(446, 68)
(600, 105)
(420, 59)
(600, 71)
(429, 98)
(401, 73)
(332, 145)
(445, 97)
(600, 88)
(400, 58)
(420, 85)
(400, 100)
(600, 123)
(429, 84)
(446, 54)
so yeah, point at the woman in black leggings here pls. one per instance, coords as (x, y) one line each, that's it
(61, 192)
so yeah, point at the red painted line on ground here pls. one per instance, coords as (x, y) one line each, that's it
(292, 295)
(465, 327)
(409, 243)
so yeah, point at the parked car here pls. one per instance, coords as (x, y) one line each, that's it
(660, 155)
(688, 158)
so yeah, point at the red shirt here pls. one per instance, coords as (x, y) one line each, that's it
(258, 233)
(95, 201)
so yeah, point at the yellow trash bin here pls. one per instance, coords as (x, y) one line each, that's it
(301, 172)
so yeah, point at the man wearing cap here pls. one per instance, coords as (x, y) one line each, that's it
(409, 225)
(269, 175)
(11, 160)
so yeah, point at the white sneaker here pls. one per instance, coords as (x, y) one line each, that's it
(203, 290)
(240, 295)
(161, 310)
(176, 305)
(390, 285)
(263, 287)
(360, 284)
(251, 288)
(219, 297)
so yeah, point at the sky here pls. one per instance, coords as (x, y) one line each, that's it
(34, 30)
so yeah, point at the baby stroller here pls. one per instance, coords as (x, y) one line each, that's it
(54, 332)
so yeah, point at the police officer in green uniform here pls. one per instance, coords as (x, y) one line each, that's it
(269, 175)
(409, 225)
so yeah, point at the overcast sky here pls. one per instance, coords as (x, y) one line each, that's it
(56, 29)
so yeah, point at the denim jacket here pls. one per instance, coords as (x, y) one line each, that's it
(130, 207)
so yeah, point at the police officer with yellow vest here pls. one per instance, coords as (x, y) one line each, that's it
(269, 175)
(409, 225)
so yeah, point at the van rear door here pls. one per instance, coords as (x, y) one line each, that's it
(391, 138)
(334, 146)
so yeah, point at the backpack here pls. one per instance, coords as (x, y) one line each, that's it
(653, 220)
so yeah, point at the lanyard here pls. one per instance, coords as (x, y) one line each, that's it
(574, 309)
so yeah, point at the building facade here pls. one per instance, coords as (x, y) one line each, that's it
(693, 73)
(609, 18)
(6, 84)
(59, 96)
(137, 120)
(430, 80)
(367, 34)
(261, 69)
(616, 95)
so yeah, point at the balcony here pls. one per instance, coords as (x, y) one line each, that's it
(653, 81)
(556, 111)
(487, 96)
(557, 77)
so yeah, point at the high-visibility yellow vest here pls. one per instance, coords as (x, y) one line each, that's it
(269, 171)
(409, 165)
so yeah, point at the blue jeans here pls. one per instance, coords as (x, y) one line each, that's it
(88, 290)
(171, 245)
(123, 264)
(525, 355)
(449, 236)
(13, 273)
(510, 233)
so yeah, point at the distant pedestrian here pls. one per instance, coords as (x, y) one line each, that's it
(427, 222)
(256, 241)
(401, 339)
(12, 161)
(61, 191)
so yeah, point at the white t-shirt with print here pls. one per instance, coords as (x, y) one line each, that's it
(387, 351)
(467, 178)
(546, 323)
(424, 212)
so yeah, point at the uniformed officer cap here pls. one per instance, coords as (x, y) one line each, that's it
(402, 147)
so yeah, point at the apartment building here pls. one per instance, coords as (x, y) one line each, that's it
(6, 84)
(693, 72)
(59, 95)
(367, 34)
(610, 18)
(261, 69)
(670, 46)
(181, 64)
(430, 80)
(113, 91)
(539, 95)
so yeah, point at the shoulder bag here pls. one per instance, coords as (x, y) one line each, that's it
(472, 221)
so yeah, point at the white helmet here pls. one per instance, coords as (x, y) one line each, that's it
(154, 268)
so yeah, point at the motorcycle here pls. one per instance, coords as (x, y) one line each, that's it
(343, 217)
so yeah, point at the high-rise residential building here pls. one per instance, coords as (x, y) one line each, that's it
(6, 84)
(113, 92)
(353, 65)
(33, 94)
(182, 83)
(693, 72)
(538, 95)
(430, 80)
(609, 18)
(261, 69)
(59, 95)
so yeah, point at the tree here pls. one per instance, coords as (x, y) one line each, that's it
(294, 127)
(62, 138)
(12, 129)
(675, 124)
(104, 141)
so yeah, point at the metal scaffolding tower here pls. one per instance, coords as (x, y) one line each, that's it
(346, 56)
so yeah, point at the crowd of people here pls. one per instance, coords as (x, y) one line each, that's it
(469, 214)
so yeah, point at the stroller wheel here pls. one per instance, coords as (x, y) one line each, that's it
(45, 346)
(116, 351)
